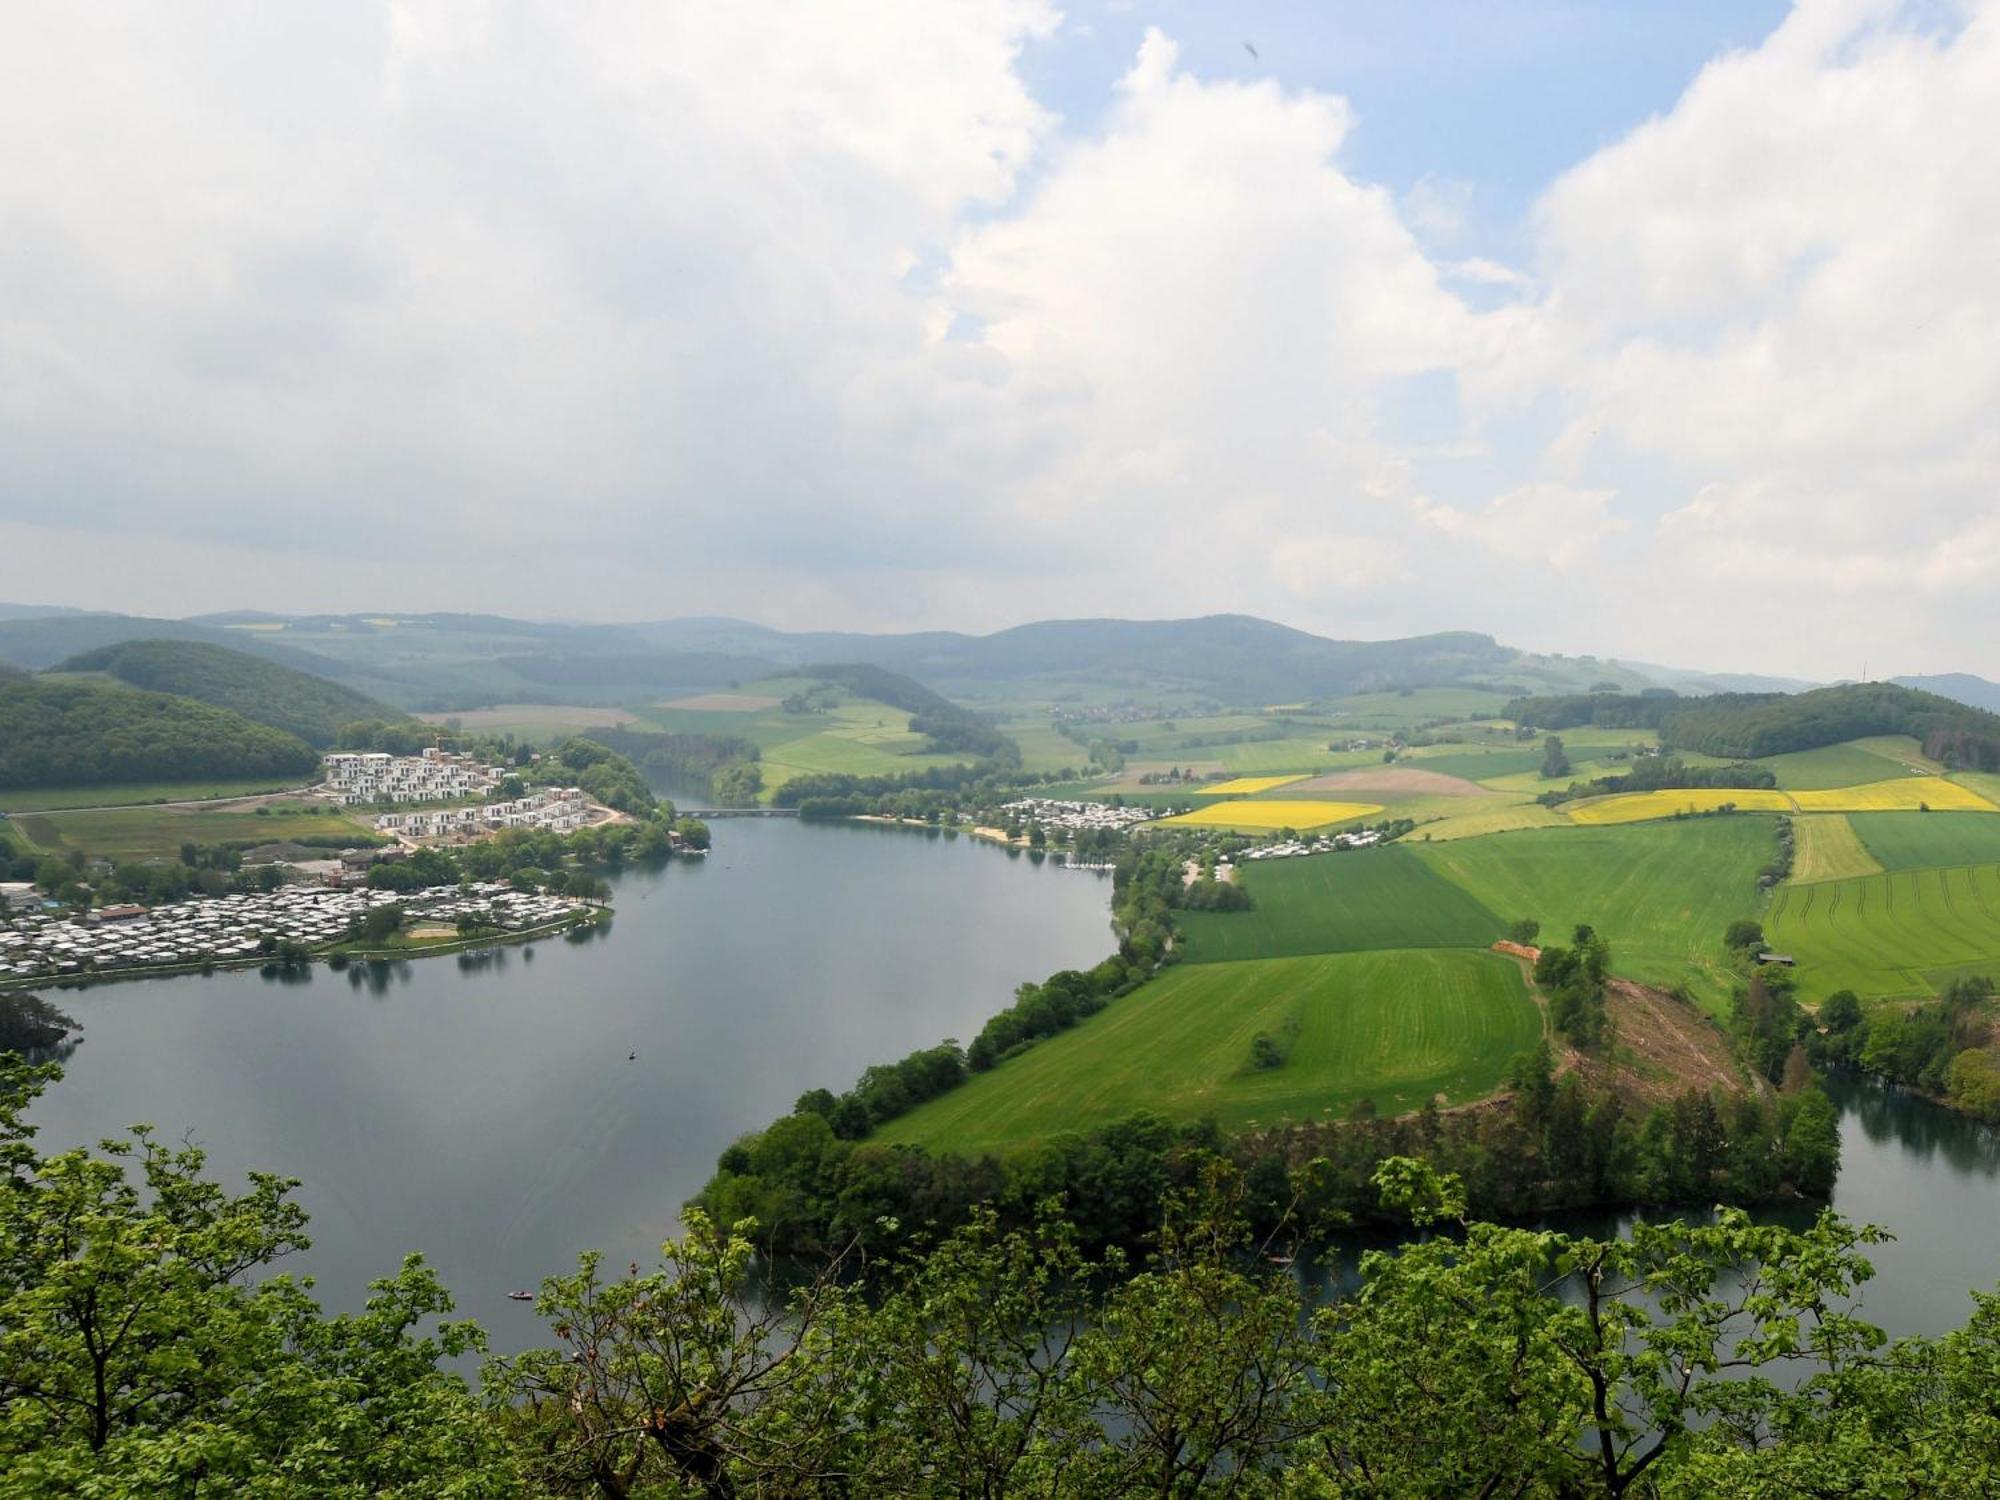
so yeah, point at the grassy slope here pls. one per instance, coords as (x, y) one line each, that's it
(1337, 903)
(1883, 935)
(1829, 849)
(1661, 894)
(1917, 840)
(1831, 766)
(1395, 1027)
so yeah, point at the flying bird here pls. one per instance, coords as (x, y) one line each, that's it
(1252, 51)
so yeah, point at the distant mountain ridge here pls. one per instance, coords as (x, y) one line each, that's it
(1963, 687)
(448, 661)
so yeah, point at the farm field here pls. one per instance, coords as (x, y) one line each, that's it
(857, 736)
(1381, 711)
(1389, 782)
(1337, 903)
(1831, 766)
(1890, 935)
(1299, 753)
(159, 832)
(1249, 786)
(534, 721)
(1398, 1028)
(1661, 895)
(1905, 793)
(1267, 815)
(1482, 819)
(1042, 749)
(134, 794)
(1911, 793)
(1475, 765)
(1640, 807)
(1916, 840)
(1829, 849)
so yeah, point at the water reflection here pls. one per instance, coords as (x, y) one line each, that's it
(502, 1115)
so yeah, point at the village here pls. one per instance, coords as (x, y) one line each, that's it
(36, 943)
(1077, 817)
(365, 778)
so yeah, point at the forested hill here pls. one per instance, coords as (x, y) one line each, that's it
(264, 691)
(76, 732)
(1747, 725)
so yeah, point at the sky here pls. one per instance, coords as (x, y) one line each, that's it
(1668, 332)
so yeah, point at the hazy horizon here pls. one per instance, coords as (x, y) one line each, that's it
(1653, 333)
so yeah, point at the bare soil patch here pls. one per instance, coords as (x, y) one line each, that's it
(1662, 1047)
(1390, 781)
(724, 703)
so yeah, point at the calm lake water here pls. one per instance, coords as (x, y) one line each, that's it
(490, 1117)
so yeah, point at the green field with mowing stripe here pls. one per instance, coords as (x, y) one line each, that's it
(1339, 903)
(1889, 935)
(1921, 840)
(1661, 893)
(1829, 849)
(1398, 1028)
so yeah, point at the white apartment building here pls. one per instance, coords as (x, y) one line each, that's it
(356, 778)
(557, 809)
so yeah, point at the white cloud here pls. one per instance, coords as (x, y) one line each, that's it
(1551, 524)
(816, 313)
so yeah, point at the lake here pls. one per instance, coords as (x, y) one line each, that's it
(490, 1117)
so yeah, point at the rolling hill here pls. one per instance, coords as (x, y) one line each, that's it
(263, 691)
(79, 732)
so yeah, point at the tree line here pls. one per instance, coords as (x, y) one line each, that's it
(1749, 726)
(1943, 1048)
(157, 1355)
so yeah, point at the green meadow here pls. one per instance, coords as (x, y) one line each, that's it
(1890, 935)
(1338, 903)
(159, 832)
(1832, 766)
(1398, 1028)
(1921, 840)
(1661, 894)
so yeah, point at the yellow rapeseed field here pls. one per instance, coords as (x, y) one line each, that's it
(1904, 794)
(1900, 794)
(1274, 814)
(1636, 807)
(1248, 786)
